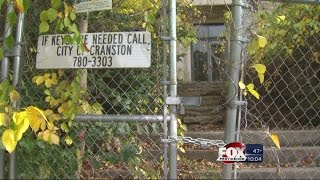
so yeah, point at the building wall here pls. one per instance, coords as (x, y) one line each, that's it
(214, 13)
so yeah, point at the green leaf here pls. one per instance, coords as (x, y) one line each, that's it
(12, 18)
(44, 16)
(56, 4)
(1, 2)
(9, 42)
(73, 28)
(26, 5)
(1, 54)
(44, 27)
(52, 14)
(73, 15)
(66, 21)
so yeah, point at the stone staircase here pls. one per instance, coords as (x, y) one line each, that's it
(298, 158)
(210, 114)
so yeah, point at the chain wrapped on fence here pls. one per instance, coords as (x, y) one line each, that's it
(196, 141)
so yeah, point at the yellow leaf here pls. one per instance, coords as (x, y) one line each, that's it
(261, 78)
(68, 140)
(14, 95)
(275, 139)
(260, 68)
(250, 86)
(4, 119)
(48, 83)
(37, 118)
(65, 127)
(60, 72)
(48, 112)
(242, 85)
(39, 80)
(54, 139)
(144, 25)
(54, 76)
(47, 75)
(262, 41)
(54, 117)
(48, 99)
(21, 127)
(245, 93)
(47, 92)
(34, 79)
(254, 93)
(22, 121)
(35, 124)
(63, 107)
(38, 111)
(51, 126)
(54, 81)
(8, 140)
(280, 18)
(19, 6)
(182, 149)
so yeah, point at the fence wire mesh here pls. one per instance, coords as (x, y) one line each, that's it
(289, 101)
(289, 96)
(112, 150)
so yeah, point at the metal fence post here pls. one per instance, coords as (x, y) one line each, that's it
(165, 90)
(234, 70)
(4, 75)
(173, 90)
(17, 69)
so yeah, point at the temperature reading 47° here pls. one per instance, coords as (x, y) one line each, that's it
(257, 151)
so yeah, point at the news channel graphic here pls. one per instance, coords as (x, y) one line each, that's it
(239, 152)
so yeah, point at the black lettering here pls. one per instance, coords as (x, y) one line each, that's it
(120, 39)
(94, 39)
(64, 50)
(92, 50)
(59, 51)
(85, 38)
(44, 40)
(129, 50)
(79, 51)
(109, 38)
(128, 39)
(97, 52)
(114, 51)
(53, 40)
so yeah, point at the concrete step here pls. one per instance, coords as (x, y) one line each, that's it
(287, 138)
(282, 173)
(287, 156)
(201, 109)
(264, 173)
(201, 89)
(200, 118)
(210, 101)
(250, 173)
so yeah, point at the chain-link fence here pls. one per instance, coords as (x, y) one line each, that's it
(289, 94)
(120, 145)
(110, 121)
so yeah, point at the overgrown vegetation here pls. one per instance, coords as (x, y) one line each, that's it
(56, 96)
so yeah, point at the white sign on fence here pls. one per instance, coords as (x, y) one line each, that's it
(92, 5)
(105, 50)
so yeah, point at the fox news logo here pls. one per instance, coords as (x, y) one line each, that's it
(238, 152)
